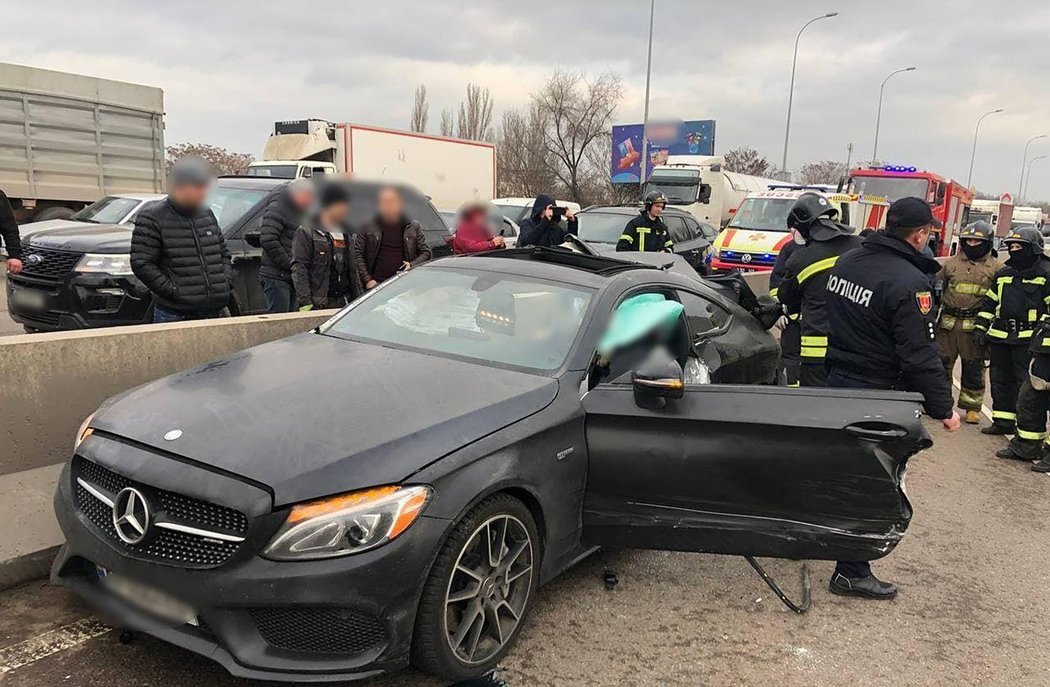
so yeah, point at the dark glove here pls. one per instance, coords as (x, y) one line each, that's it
(980, 337)
(767, 311)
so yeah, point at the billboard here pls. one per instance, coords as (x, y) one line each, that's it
(665, 138)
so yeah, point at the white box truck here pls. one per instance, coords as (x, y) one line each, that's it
(67, 140)
(700, 185)
(449, 170)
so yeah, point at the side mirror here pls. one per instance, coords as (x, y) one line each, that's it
(253, 238)
(657, 379)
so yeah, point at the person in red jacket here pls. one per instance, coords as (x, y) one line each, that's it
(472, 233)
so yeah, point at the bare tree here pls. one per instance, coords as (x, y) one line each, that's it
(747, 160)
(523, 162)
(446, 122)
(823, 172)
(475, 114)
(577, 114)
(221, 160)
(420, 110)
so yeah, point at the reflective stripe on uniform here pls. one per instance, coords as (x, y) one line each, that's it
(997, 333)
(1035, 280)
(818, 266)
(972, 289)
(1031, 436)
(807, 352)
(1003, 415)
(1033, 315)
(642, 231)
(668, 243)
(970, 397)
(774, 291)
(795, 316)
(990, 293)
(1025, 334)
(625, 237)
(986, 315)
(814, 341)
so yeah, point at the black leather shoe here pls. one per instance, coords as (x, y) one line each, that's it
(1011, 453)
(998, 430)
(1042, 466)
(869, 587)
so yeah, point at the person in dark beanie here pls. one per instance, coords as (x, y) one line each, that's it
(324, 271)
(9, 235)
(178, 252)
(392, 243)
(544, 228)
(280, 220)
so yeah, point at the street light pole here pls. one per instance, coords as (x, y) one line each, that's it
(1029, 177)
(878, 117)
(645, 118)
(973, 155)
(791, 89)
(1024, 161)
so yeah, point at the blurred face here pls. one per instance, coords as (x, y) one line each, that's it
(303, 198)
(390, 205)
(548, 212)
(189, 195)
(336, 214)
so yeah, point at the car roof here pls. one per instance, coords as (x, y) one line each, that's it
(549, 263)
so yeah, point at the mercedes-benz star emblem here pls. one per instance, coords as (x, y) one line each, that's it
(746, 257)
(131, 516)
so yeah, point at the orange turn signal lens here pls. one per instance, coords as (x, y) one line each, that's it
(313, 509)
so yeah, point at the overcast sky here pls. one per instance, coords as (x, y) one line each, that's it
(229, 69)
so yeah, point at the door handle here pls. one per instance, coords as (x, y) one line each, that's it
(869, 433)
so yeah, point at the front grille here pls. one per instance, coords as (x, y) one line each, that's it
(319, 630)
(171, 547)
(47, 263)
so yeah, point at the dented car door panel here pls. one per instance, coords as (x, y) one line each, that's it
(765, 471)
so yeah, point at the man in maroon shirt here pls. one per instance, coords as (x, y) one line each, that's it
(392, 243)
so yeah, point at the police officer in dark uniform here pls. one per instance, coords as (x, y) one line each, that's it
(881, 336)
(1009, 315)
(791, 334)
(647, 233)
(804, 291)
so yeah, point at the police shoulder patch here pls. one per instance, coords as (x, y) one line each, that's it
(925, 299)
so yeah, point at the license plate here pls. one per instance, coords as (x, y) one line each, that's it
(30, 299)
(149, 599)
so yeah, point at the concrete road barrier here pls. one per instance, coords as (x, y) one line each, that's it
(50, 382)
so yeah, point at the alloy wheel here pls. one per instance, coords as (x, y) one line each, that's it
(488, 589)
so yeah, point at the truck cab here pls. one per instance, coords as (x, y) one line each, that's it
(700, 185)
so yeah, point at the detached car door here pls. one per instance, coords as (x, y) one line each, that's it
(765, 471)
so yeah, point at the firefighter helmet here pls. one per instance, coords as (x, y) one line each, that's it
(808, 209)
(654, 197)
(1029, 235)
(979, 230)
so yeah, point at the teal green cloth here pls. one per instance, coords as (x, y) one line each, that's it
(636, 318)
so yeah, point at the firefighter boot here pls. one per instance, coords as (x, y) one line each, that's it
(973, 417)
(998, 429)
(1021, 449)
(1043, 464)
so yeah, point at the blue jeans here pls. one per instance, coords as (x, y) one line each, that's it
(161, 316)
(280, 296)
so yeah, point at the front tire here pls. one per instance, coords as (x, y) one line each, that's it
(479, 591)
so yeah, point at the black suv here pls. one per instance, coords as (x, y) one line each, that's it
(80, 277)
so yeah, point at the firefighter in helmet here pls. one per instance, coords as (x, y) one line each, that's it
(965, 278)
(647, 232)
(1010, 312)
(804, 289)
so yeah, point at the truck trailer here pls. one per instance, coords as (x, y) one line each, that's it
(451, 171)
(67, 140)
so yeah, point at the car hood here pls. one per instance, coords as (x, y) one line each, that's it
(83, 237)
(313, 415)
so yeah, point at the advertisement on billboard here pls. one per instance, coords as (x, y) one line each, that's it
(665, 138)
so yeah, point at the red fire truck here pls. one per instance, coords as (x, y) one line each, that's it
(876, 187)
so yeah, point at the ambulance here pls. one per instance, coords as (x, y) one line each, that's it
(758, 231)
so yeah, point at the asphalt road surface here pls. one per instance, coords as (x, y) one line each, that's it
(7, 325)
(973, 609)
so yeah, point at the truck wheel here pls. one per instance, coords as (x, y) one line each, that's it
(57, 212)
(479, 590)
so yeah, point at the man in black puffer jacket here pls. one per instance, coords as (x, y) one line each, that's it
(280, 220)
(178, 252)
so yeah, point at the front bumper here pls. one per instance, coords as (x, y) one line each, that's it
(79, 301)
(264, 619)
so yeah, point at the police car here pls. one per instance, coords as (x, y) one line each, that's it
(753, 238)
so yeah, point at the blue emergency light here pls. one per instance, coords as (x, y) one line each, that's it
(899, 168)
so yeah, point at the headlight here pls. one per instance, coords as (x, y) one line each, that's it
(348, 523)
(84, 432)
(115, 264)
